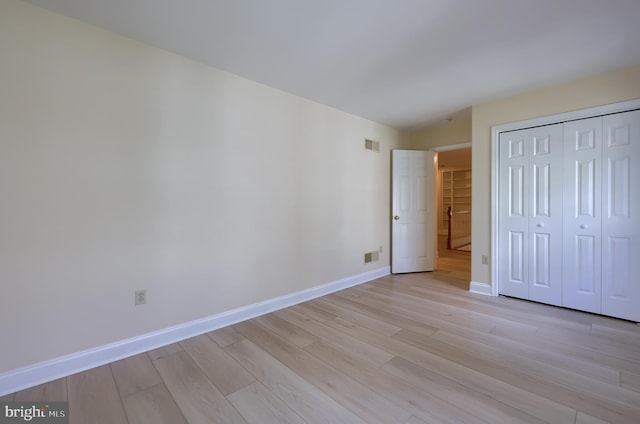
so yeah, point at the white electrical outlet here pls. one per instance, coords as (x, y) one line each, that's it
(485, 259)
(141, 297)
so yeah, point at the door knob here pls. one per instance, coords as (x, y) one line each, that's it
(396, 217)
(540, 225)
(584, 226)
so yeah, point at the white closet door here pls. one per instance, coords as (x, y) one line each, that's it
(545, 223)
(582, 219)
(621, 216)
(514, 214)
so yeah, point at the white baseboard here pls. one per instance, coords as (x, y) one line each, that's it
(43, 372)
(480, 288)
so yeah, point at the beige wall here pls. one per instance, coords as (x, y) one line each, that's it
(443, 134)
(125, 167)
(598, 90)
(438, 135)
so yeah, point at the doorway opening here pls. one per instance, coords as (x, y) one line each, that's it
(454, 200)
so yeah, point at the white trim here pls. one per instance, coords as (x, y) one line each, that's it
(43, 372)
(451, 147)
(569, 116)
(529, 123)
(480, 288)
(495, 189)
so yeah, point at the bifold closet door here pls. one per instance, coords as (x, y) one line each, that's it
(581, 286)
(545, 223)
(514, 214)
(569, 214)
(621, 216)
(531, 214)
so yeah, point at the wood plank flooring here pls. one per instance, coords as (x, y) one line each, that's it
(406, 349)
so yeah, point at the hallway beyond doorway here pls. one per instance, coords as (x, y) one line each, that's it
(453, 266)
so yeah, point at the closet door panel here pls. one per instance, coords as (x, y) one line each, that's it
(545, 223)
(581, 234)
(514, 214)
(621, 217)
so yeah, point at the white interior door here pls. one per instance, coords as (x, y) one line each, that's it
(621, 216)
(530, 214)
(413, 220)
(545, 223)
(568, 214)
(581, 286)
(514, 214)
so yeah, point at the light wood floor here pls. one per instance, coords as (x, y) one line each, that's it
(412, 348)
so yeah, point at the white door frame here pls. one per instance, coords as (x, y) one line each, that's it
(495, 177)
(452, 147)
(413, 217)
(437, 149)
(446, 148)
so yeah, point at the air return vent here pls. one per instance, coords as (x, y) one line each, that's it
(371, 256)
(372, 145)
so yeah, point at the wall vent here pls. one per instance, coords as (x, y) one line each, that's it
(371, 256)
(372, 145)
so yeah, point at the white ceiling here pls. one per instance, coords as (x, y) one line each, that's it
(405, 63)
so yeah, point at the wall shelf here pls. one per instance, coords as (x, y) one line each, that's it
(456, 192)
